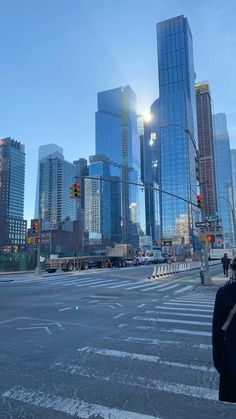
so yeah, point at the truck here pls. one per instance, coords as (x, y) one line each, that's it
(118, 255)
(154, 256)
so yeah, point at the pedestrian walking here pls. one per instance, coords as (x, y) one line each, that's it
(224, 337)
(225, 262)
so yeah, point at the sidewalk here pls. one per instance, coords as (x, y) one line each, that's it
(217, 281)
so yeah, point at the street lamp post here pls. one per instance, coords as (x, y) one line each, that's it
(233, 216)
(207, 277)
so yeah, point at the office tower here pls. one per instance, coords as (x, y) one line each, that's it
(98, 200)
(44, 151)
(12, 183)
(55, 180)
(206, 148)
(117, 138)
(177, 105)
(224, 176)
(151, 171)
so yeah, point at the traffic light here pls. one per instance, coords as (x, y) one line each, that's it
(209, 238)
(72, 191)
(76, 190)
(199, 201)
(35, 227)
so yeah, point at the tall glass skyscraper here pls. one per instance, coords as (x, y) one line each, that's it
(206, 148)
(177, 146)
(151, 171)
(224, 176)
(12, 185)
(98, 199)
(44, 151)
(55, 180)
(117, 138)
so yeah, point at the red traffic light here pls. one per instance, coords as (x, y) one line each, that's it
(199, 201)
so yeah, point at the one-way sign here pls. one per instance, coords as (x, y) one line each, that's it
(203, 224)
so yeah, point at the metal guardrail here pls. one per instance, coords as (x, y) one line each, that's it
(168, 269)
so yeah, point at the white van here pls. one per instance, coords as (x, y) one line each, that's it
(154, 256)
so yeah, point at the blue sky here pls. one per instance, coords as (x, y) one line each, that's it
(57, 54)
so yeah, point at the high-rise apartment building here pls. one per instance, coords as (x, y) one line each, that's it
(178, 138)
(206, 148)
(224, 183)
(117, 138)
(12, 183)
(44, 151)
(98, 200)
(55, 180)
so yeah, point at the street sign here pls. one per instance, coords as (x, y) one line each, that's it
(203, 224)
(212, 217)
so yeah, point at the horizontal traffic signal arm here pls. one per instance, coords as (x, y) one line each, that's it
(141, 185)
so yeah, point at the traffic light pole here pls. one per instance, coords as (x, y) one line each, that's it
(38, 269)
(206, 272)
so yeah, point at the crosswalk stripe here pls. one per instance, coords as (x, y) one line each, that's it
(207, 316)
(158, 342)
(190, 304)
(188, 287)
(168, 288)
(140, 286)
(188, 332)
(94, 281)
(179, 300)
(105, 284)
(158, 319)
(159, 286)
(204, 310)
(72, 407)
(143, 383)
(121, 285)
(142, 357)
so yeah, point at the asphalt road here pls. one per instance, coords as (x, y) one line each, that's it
(107, 344)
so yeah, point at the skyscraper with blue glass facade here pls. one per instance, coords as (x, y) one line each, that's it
(177, 115)
(12, 185)
(151, 171)
(117, 138)
(224, 176)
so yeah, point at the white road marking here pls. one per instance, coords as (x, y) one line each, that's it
(170, 287)
(118, 315)
(143, 383)
(105, 284)
(140, 286)
(141, 305)
(207, 316)
(204, 310)
(157, 287)
(65, 309)
(36, 327)
(94, 281)
(121, 284)
(190, 304)
(188, 287)
(73, 407)
(187, 332)
(158, 342)
(143, 357)
(158, 319)
(122, 325)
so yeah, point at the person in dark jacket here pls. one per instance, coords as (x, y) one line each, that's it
(225, 262)
(224, 342)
